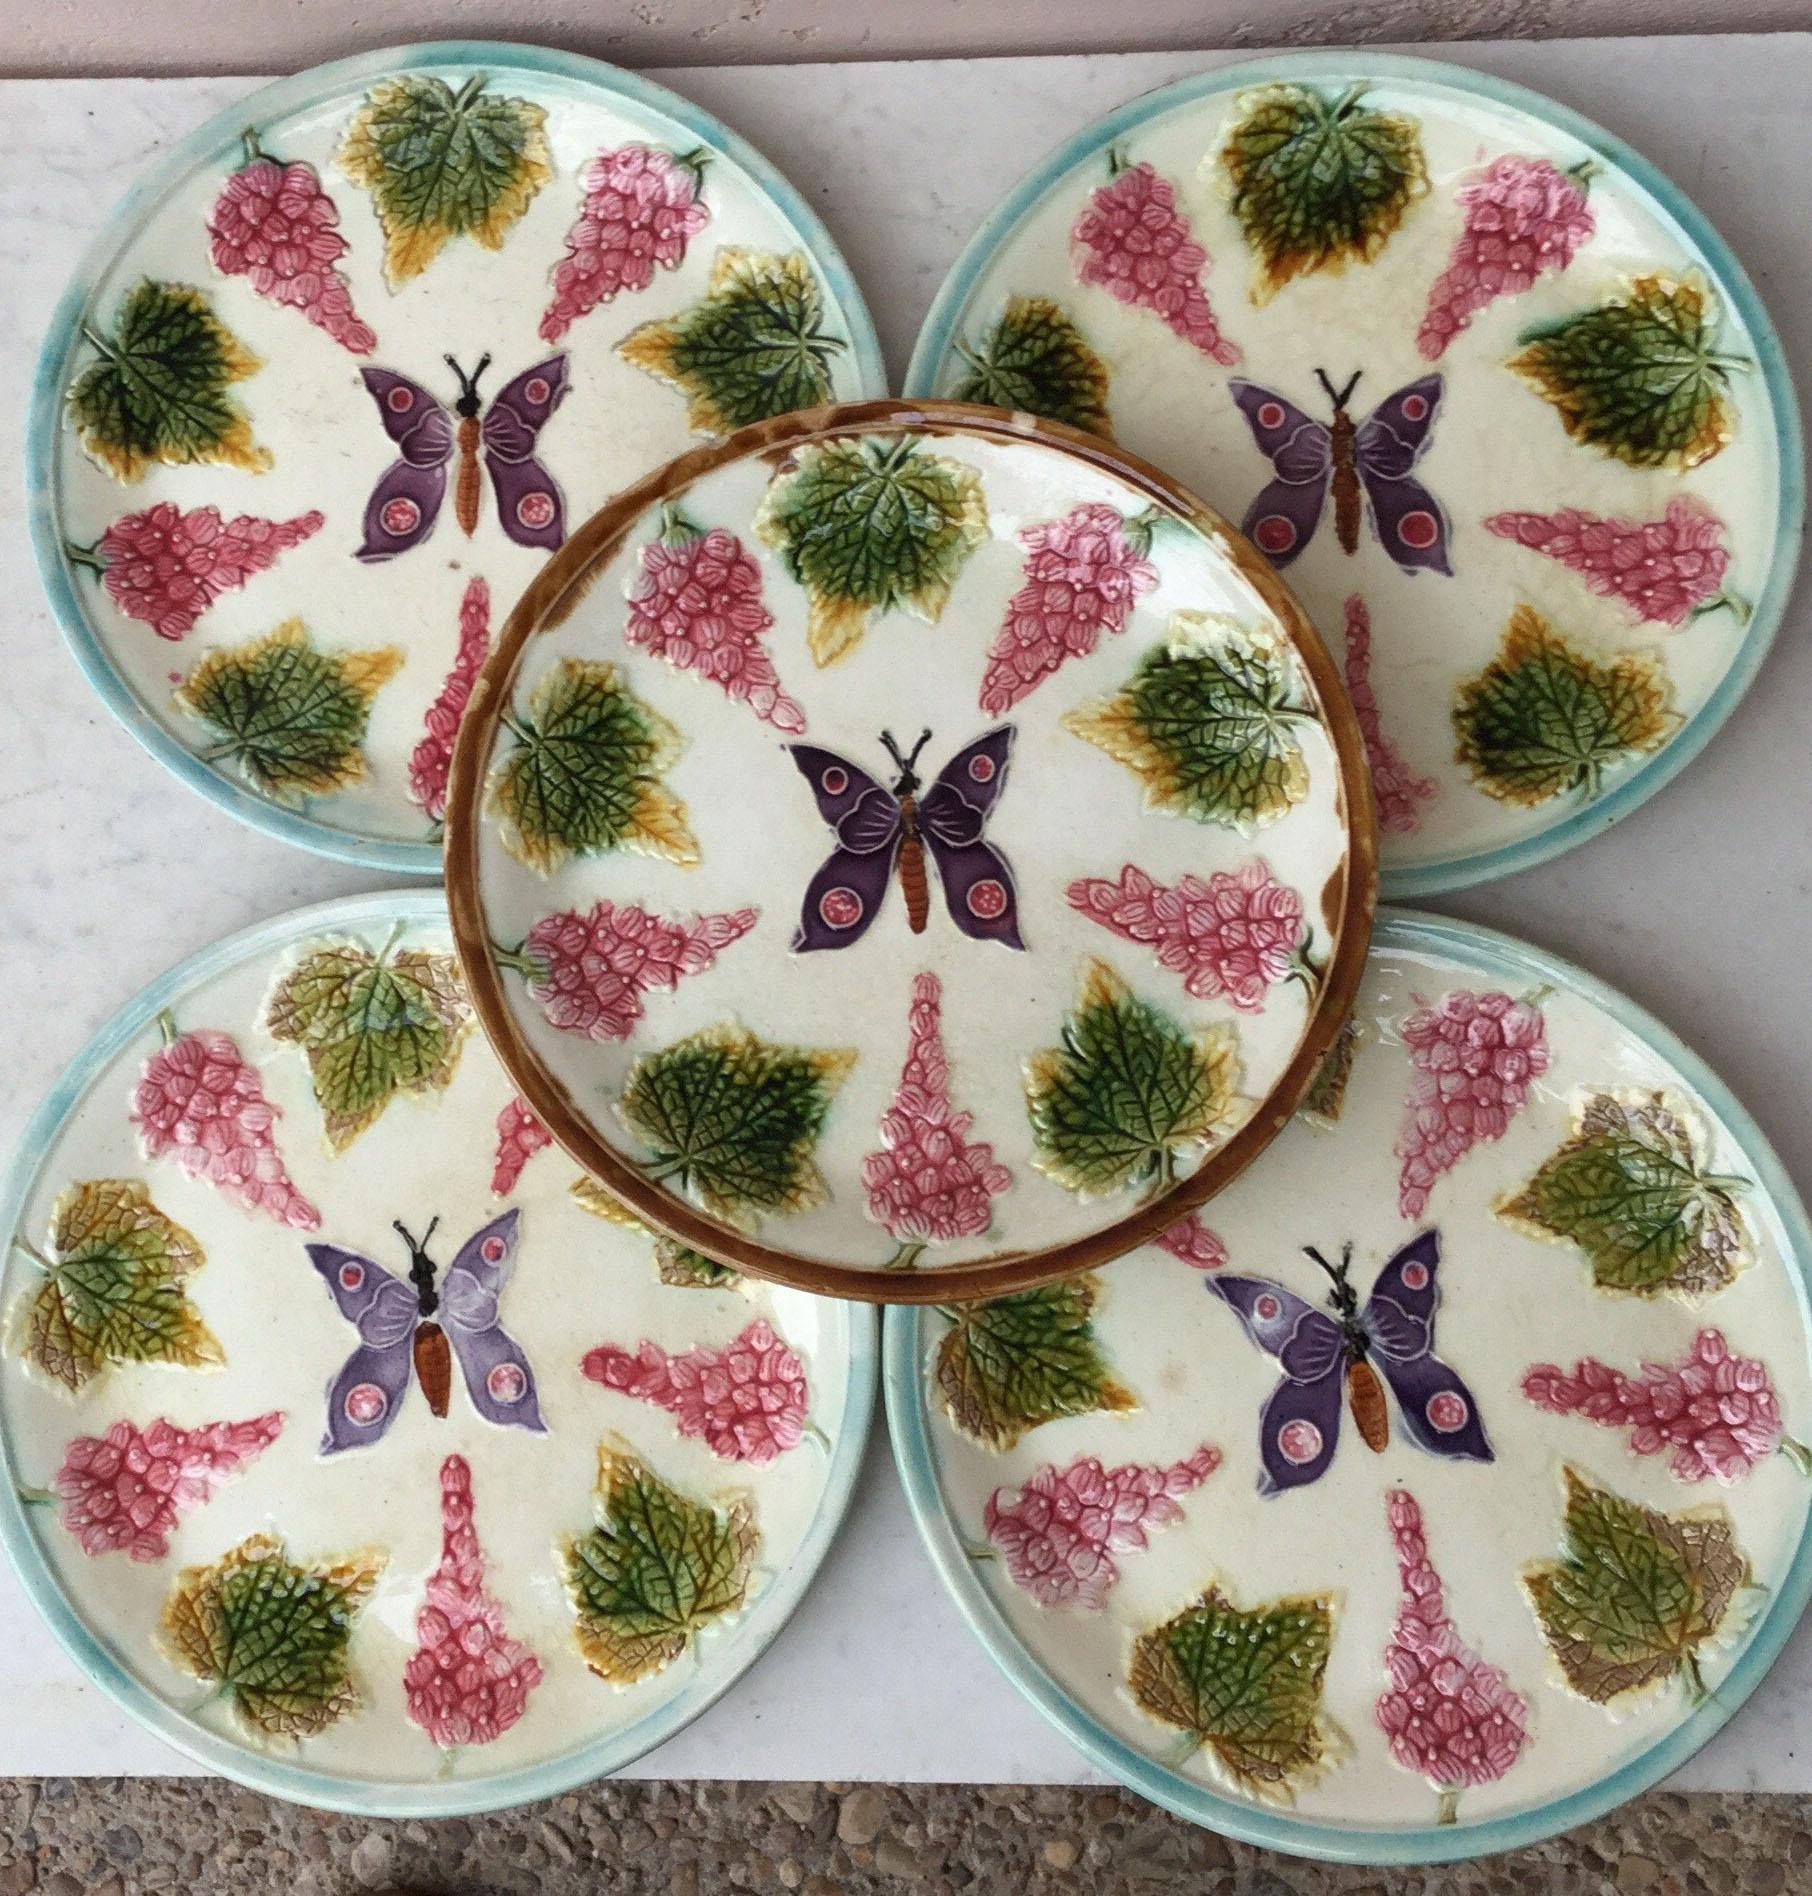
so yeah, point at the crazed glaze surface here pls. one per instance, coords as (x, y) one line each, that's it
(1495, 451)
(659, 229)
(1509, 1304)
(1215, 919)
(579, 1284)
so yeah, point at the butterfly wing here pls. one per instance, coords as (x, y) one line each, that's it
(1299, 1426)
(362, 1400)
(1410, 523)
(1438, 1410)
(498, 1377)
(976, 880)
(1283, 519)
(530, 506)
(406, 502)
(847, 892)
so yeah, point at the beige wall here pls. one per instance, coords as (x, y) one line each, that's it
(267, 36)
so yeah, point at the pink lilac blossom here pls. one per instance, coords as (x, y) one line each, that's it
(1475, 1058)
(468, 1681)
(432, 759)
(929, 1181)
(697, 604)
(1082, 575)
(520, 1135)
(640, 210)
(1717, 1411)
(1234, 935)
(1522, 216)
(124, 1491)
(1396, 789)
(202, 1101)
(1132, 241)
(588, 970)
(1666, 571)
(1449, 1716)
(1192, 1241)
(746, 1402)
(1058, 1533)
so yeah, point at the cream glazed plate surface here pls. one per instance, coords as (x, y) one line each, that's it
(355, 1443)
(339, 375)
(1496, 399)
(1440, 1485)
(909, 851)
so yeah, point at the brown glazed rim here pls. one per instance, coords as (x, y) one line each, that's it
(1347, 901)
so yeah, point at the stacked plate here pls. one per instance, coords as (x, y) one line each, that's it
(1352, 1378)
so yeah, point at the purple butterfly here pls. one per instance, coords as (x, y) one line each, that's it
(397, 1333)
(406, 503)
(1299, 1427)
(878, 828)
(1372, 459)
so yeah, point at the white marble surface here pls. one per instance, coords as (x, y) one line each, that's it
(1700, 905)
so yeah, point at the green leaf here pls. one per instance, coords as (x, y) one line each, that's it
(732, 1119)
(1544, 718)
(875, 524)
(1207, 724)
(1009, 1364)
(291, 716)
(677, 1264)
(1037, 362)
(113, 1290)
(752, 347)
(1127, 1091)
(159, 391)
(1630, 1189)
(1318, 182)
(272, 1634)
(373, 1026)
(441, 164)
(1248, 1685)
(584, 777)
(1326, 1097)
(1638, 1595)
(1639, 378)
(656, 1569)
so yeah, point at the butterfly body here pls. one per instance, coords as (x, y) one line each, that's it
(882, 833)
(1366, 466)
(473, 440)
(1354, 1351)
(400, 1337)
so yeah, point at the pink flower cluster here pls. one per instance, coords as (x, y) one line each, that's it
(1234, 935)
(929, 1180)
(1523, 216)
(520, 1135)
(165, 567)
(467, 1682)
(1133, 241)
(276, 226)
(1716, 1411)
(1664, 570)
(587, 971)
(640, 210)
(1081, 578)
(1449, 1716)
(1191, 1240)
(432, 759)
(1059, 1532)
(1396, 788)
(697, 604)
(746, 1402)
(124, 1491)
(202, 1100)
(1475, 1058)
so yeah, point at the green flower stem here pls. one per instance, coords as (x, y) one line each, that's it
(1731, 602)
(1448, 1810)
(1584, 172)
(979, 1551)
(254, 152)
(166, 1026)
(30, 1251)
(89, 557)
(1696, 1690)
(906, 1256)
(468, 91)
(812, 1433)
(36, 1497)
(390, 940)
(99, 343)
(519, 961)
(1797, 1453)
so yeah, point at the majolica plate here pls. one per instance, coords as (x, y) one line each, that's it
(1492, 394)
(353, 1441)
(1440, 1486)
(909, 850)
(337, 377)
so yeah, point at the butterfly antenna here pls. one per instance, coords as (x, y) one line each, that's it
(893, 749)
(1340, 401)
(1321, 375)
(1343, 1291)
(924, 739)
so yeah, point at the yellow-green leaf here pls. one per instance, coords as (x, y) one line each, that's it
(1036, 361)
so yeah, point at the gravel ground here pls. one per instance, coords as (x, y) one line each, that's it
(121, 1836)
